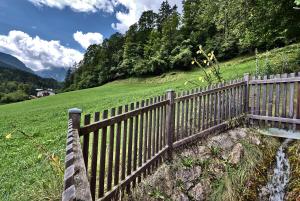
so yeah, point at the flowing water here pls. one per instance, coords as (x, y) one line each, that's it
(276, 186)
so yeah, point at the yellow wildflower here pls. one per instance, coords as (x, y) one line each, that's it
(193, 62)
(8, 136)
(205, 61)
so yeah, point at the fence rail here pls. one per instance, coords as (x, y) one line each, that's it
(121, 147)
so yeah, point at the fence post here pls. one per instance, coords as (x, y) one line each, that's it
(246, 98)
(75, 115)
(170, 122)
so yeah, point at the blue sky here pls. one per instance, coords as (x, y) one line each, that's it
(55, 33)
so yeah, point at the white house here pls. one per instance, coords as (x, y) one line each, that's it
(44, 92)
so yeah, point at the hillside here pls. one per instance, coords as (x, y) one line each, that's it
(9, 61)
(25, 170)
(17, 85)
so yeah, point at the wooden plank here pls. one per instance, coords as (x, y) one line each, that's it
(204, 111)
(124, 146)
(208, 104)
(214, 122)
(163, 123)
(270, 99)
(146, 136)
(277, 100)
(186, 129)
(284, 99)
(276, 80)
(103, 157)
(291, 101)
(218, 108)
(111, 151)
(253, 99)
(135, 141)
(107, 122)
(86, 142)
(195, 111)
(117, 153)
(234, 104)
(182, 128)
(199, 115)
(154, 129)
(158, 128)
(191, 114)
(141, 136)
(275, 119)
(229, 98)
(150, 134)
(264, 99)
(94, 159)
(130, 139)
(298, 103)
(178, 112)
(205, 92)
(202, 134)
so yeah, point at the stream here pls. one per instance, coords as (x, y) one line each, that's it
(276, 186)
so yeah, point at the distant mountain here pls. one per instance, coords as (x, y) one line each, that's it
(56, 73)
(9, 61)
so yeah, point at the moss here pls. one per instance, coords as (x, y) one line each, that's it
(294, 159)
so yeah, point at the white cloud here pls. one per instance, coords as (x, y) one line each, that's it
(135, 10)
(37, 53)
(85, 40)
(78, 5)
(125, 19)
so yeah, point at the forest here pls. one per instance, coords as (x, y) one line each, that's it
(167, 40)
(17, 85)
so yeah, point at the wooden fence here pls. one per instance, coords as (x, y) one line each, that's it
(128, 143)
(274, 101)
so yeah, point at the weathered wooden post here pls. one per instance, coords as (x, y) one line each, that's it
(246, 95)
(170, 122)
(75, 115)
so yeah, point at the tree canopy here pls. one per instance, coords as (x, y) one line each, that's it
(167, 40)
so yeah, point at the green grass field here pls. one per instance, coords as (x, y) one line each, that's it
(25, 171)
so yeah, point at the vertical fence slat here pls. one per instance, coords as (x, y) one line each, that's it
(277, 100)
(111, 152)
(129, 149)
(150, 134)
(191, 114)
(270, 99)
(103, 157)
(182, 127)
(86, 142)
(124, 146)
(94, 159)
(141, 138)
(146, 136)
(117, 153)
(264, 99)
(178, 111)
(284, 99)
(200, 110)
(291, 102)
(186, 116)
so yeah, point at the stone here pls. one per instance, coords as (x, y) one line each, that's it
(254, 140)
(197, 192)
(236, 154)
(222, 141)
(188, 176)
(238, 133)
(179, 196)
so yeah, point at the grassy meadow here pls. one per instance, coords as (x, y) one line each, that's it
(31, 131)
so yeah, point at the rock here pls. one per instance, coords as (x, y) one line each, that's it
(179, 196)
(197, 192)
(203, 152)
(222, 141)
(237, 133)
(188, 176)
(236, 154)
(254, 140)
